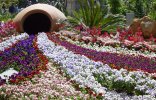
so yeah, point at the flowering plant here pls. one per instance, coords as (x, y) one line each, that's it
(7, 29)
(89, 74)
(123, 37)
(24, 58)
(119, 60)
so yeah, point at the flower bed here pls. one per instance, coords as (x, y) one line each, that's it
(21, 53)
(91, 75)
(11, 41)
(7, 29)
(119, 50)
(123, 38)
(48, 85)
(96, 76)
(113, 59)
(23, 57)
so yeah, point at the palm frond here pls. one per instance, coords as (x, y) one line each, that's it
(93, 15)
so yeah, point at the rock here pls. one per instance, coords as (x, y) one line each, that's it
(135, 25)
(146, 24)
(148, 27)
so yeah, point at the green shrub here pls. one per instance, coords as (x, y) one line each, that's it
(152, 13)
(119, 85)
(115, 6)
(7, 16)
(91, 14)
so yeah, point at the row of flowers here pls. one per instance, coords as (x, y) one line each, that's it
(95, 75)
(21, 53)
(115, 60)
(12, 41)
(7, 29)
(118, 49)
(25, 58)
(124, 38)
(48, 85)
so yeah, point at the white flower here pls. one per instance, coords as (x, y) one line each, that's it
(83, 68)
(12, 40)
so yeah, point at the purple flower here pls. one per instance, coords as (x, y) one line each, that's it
(135, 62)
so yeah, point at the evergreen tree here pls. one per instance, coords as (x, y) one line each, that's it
(22, 3)
(139, 9)
(115, 6)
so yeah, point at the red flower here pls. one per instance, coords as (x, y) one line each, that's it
(94, 94)
(105, 34)
(13, 81)
(129, 31)
(100, 94)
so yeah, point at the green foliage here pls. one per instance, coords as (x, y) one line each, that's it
(22, 3)
(119, 85)
(125, 8)
(115, 6)
(8, 2)
(111, 22)
(139, 9)
(152, 13)
(7, 16)
(147, 4)
(91, 14)
(4, 97)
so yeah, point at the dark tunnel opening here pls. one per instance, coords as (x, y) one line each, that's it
(36, 22)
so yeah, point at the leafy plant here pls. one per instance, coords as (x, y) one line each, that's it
(22, 3)
(115, 6)
(91, 14)
(119, 85)
(4, 97)
(7, 16)
(8, 2)
(152, 13)
(139, 9)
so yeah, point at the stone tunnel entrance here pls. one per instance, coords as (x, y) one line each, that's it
(36, 22)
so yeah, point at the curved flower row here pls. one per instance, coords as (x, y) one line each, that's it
(12, 40)
(87, 72)
(113, 59)
(24, 58)
(119, 50)
(48, 85)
